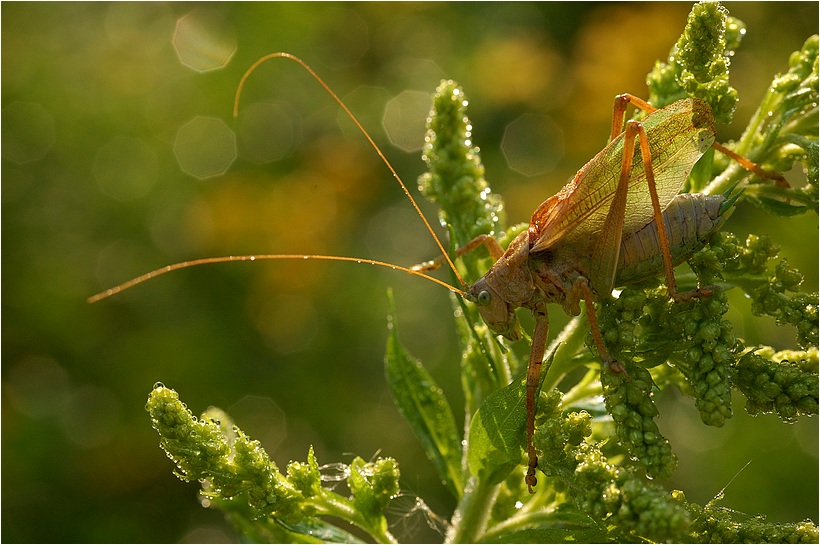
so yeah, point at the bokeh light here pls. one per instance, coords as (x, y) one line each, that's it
(532, 144)
(28, 132)
(38, 386)
(204, 40)
(367, 103)
(139, 30)
(125, 168)
(268, 132)
(205, 147)
(404, 118)
(261, 418)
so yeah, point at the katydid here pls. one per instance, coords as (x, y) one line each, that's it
(605, 228)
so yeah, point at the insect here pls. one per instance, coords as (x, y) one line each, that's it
(620, 211)
(579, 239)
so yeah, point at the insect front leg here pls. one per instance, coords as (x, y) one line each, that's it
(492, 245)
(539, 346)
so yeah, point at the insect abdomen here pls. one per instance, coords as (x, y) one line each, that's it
(690, 219)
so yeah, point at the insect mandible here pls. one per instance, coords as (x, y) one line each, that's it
(578, 241)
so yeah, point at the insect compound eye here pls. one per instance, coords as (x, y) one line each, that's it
(483, 298)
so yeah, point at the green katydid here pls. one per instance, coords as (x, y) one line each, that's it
(618, 213)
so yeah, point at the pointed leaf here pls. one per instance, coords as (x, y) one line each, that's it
(314, 530)
(559, 525)
(422, 403)
(554, 535)
(498, 433)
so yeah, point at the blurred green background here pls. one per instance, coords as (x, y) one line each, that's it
(120, 155)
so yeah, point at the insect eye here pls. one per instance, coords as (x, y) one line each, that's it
(484, 298)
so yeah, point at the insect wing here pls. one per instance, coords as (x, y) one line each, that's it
(678, 135)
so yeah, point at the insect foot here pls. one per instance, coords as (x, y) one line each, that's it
(530, 478)
(616, 367)
(685, 296)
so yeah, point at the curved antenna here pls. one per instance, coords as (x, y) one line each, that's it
(366, 135)
(208, 260)
(224, 259)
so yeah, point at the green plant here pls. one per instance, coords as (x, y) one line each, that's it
(589, 491)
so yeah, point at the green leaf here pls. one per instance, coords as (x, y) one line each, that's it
(314, 530)
(422, 403)
(560, 525)
(775, 206)
(497, 437)
(498, 433)
(554, 535)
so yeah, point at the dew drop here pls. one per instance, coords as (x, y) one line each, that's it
(158, 386)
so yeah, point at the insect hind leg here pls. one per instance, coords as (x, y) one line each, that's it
(619, 117)
(602, 273)
(619, 111)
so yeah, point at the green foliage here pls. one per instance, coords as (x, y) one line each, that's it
(690, 335)
(615, 497)
(715, 524)
(496, 434)
(237, 473)
(699, 63)
(628, 395)
(772, 288)
(596, 431)
(455, 175)
(781, 132)
(784, 383)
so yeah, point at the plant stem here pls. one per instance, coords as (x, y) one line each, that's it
(567, 344)
(470, 519)
(334, 505)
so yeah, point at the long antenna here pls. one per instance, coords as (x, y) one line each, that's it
(364, 132)
(225, 259)
(209, 260)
